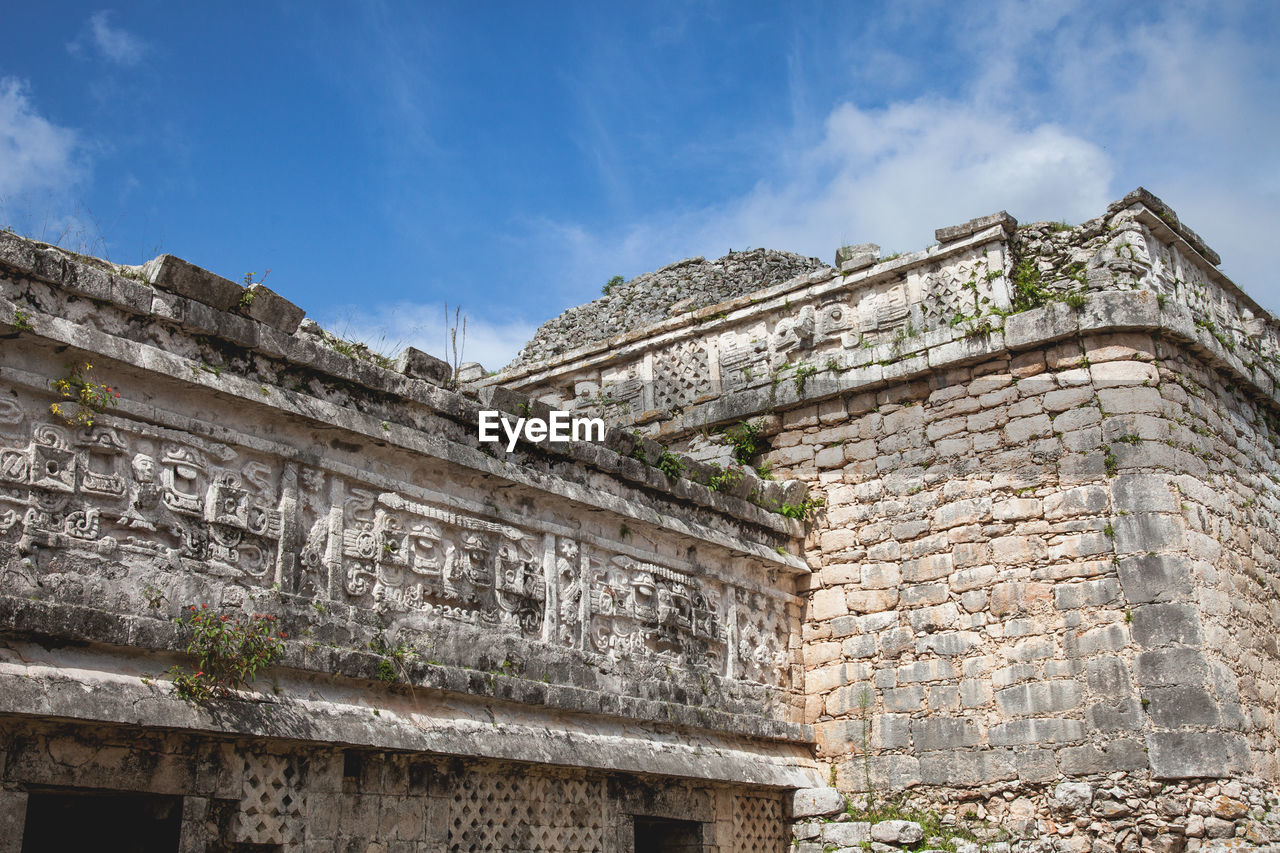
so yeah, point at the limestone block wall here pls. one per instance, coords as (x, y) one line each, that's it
(1228, 500)
(169, 439)
(1029, 569)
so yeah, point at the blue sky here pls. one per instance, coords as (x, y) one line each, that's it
(382, 158)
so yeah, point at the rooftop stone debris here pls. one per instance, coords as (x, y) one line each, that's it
(680, 287)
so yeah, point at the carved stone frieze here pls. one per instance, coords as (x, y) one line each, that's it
(134, 492)
(114, 488)
(680, 376)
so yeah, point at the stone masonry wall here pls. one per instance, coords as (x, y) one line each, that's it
(1027, 570)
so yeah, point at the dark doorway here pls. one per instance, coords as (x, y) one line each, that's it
(657, 835)
(101, 821)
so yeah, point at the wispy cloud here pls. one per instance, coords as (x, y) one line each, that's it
(112, 43)
(36, 155)
(389, 328)
(1058, 113)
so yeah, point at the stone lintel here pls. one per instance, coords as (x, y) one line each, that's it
(184, 278)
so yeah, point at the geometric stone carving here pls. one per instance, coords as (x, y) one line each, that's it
(758, 825)
(272, 809)
(525, 812)
(680, 376)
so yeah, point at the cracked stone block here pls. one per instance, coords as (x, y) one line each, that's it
(416, 364)
(1183, 755)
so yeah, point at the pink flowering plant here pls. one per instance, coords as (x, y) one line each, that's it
(230, 652)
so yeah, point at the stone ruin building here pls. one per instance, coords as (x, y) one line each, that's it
(991, 527)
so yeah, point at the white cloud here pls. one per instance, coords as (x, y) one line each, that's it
(36, 155)
(1181, 96)
(389, 328)
(114, 44)
(893, 175)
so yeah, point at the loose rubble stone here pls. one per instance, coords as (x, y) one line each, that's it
(677, 288)
(897, 832)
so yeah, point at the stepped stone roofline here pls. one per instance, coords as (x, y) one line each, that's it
(869, 273)
(610, 363)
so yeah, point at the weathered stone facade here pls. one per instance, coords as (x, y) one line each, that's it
(171, 441)
(1039, 590)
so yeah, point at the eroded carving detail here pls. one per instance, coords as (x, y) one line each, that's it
(102, 487)
(642, 608)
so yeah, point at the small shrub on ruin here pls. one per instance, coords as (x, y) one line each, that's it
(230, 652)
(745, 440)
(82, 396)
(670, 464)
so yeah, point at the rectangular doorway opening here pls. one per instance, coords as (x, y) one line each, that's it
(660, 835)
(59, 821)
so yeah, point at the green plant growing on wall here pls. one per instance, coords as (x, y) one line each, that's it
(395, 660)
(725, 479)
(670, 464)
(637, 452)
(1028, 291)
(230, 652)
(611, 284)
(153, 595)
(79, 389)
(804, 510)
(803, 372)
(246, 298)
(745, 440)
(1076, 300)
